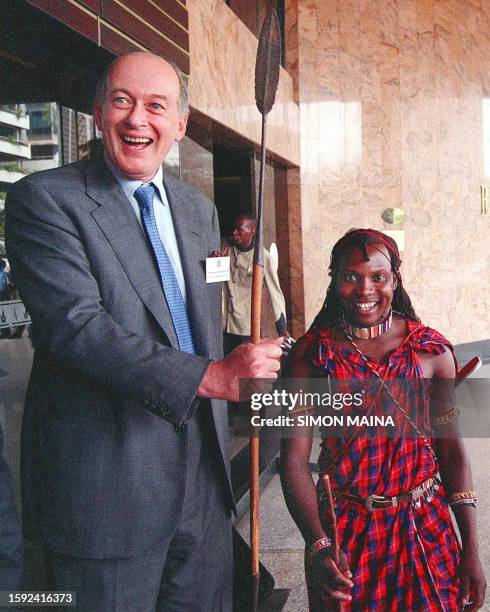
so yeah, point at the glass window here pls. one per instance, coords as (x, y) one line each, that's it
(43, 151)
(40, 122)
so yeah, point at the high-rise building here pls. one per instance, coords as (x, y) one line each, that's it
(14, 152)
(43, 135)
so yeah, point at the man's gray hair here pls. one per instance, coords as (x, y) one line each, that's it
(183, 99)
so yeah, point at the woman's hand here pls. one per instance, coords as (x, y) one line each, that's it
(331, 579)
(473, 583)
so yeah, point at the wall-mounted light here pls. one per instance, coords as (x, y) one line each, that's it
(393, 215)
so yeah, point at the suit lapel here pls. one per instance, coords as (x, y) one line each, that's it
(189, 238)
(117, 220)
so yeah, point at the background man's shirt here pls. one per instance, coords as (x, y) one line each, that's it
(237, 293)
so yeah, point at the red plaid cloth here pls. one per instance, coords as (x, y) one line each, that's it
(403, 558)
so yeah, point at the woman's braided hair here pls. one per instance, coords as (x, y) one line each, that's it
(332, 311)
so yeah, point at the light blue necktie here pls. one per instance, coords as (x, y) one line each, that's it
(144, 197)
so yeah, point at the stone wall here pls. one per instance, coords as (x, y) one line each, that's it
(391, 111)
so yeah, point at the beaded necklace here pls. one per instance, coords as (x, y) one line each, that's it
(365, 333)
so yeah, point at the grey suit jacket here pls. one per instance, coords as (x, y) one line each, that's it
(104, 446)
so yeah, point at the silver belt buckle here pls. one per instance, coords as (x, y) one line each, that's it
(368, 501)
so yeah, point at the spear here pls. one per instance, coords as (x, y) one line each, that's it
(266, 81)
(332, 518)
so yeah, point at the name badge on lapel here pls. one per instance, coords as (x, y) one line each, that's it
(217, 269)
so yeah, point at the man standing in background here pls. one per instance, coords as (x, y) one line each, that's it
(238, 290)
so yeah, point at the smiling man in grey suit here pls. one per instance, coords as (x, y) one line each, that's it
(125, 467)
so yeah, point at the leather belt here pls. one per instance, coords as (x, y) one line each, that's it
(380, 502)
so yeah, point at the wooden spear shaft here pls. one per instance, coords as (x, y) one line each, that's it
(266, 81)
(257, 280)
(332, 518)
(257, 277)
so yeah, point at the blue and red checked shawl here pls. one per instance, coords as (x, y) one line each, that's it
(403, 558)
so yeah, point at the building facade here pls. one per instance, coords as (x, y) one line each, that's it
(14, 151)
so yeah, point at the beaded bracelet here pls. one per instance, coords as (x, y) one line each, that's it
(469, 494)
(316, 547)
(446, 418)
(463, 498)
(463, 502)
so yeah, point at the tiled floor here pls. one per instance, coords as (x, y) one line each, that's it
(281, 545)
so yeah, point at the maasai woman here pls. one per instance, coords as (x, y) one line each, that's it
(398, 550)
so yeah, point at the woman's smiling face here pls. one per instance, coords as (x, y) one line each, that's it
(366, 286)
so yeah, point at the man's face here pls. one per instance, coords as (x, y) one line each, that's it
(243, 233)
(139, 118)
(366, 287)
